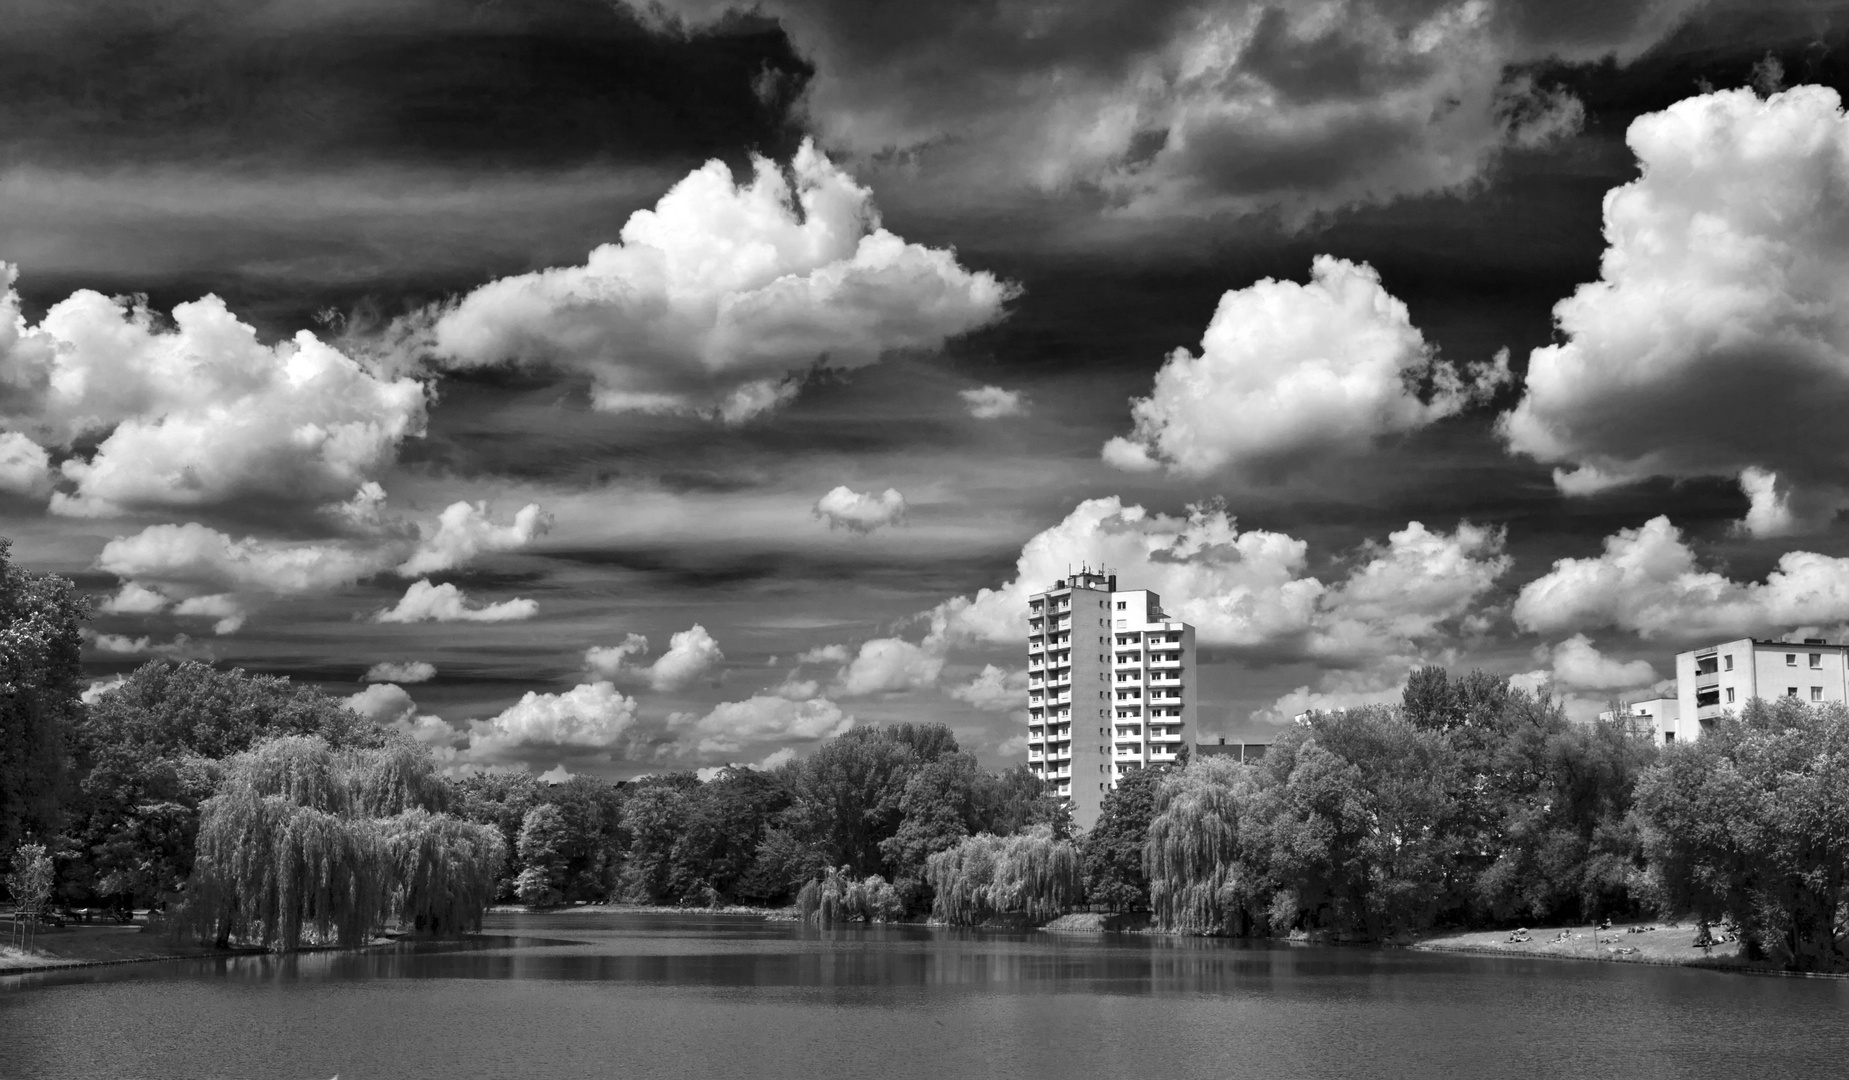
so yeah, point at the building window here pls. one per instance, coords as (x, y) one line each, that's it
(1728, 661)
(1123, 605)
(1816, 693)
(1668, 737)
(1816, 660)
(1791, 659)
(1791, 691)
(1730, 695)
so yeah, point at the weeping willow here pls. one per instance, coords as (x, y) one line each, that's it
(837, 897)
(986, 876)
(306, 845)
(1198, 883)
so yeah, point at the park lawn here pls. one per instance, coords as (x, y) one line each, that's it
(1658, 944)
(74, 945)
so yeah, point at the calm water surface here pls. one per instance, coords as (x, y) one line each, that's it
(638, 996)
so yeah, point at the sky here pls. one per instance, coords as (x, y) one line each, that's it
(598, 388)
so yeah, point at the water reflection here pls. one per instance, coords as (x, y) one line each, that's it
(581, 994)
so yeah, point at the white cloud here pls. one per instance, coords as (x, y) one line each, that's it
(424, 602)
(993, 403)
(383, 702)
(123, 645)
(845, 508)
(465, 530)
(223, 607)
(197, 414)
(776, 759)
(718, 296)
(25, 467)
(133, 599)
(412, 671)
(796, 689)
(1578, 665)
(994, 690)
(1250, 590)
(693, 655)
(1713, 343)
(1187, 108)
(99, 687)
(557, 774)
(733, 724)
(1288, 370)
(824, 654)
(1647, 581)
(888, 665)
(1337, 690)
(590, 716)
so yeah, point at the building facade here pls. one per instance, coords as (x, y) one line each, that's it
(1111, 687)
(1722, 678)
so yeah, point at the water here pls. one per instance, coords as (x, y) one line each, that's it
(639, 997)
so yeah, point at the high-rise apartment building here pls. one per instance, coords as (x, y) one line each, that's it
(1111, 686)
(1721, 679)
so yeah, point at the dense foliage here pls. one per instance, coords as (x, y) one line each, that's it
(1033, 874)
(1751, 822)
(1113, 849)
(1469, 803)
(41, 677)
(306, 844)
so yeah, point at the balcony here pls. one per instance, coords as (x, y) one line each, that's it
(1707, 680)
(1709, 713)
(1166, 663)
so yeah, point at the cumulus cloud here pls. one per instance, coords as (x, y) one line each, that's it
(777, 759)
(99, 687)
(411, 671)
(465, 530)
(195, 414)
(1323, 367)
(715, 299)
(384, 703)
(424, 602)
(824, 654)
(693, 655)
(1577, 664)
(589, 717)
(1191, 106)
(1714, 342)
(1337, 691)
(124, 645)
(25, 467)
(1250, 590)
(1647, 581)
(994, 690)
(845, 508)
(993, 403)
(733, 724)
(212, 575)
(888, 665)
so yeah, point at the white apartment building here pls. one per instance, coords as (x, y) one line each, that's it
(1722, 678)
(1111, 686)
(1655, 716)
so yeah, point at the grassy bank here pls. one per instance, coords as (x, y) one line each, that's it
(75, 946)
(1655, 944)
(779, 914)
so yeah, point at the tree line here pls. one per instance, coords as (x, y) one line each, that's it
(257, 810)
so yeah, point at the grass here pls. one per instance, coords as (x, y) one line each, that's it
(1666, 943)
(71, 946)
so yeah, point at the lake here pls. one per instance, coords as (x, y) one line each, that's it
(641, 996)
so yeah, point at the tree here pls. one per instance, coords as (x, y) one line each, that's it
(1031, 874)
(308, 844)
(938, 808)
(845, 799)
(146, 757)
(41, 677)
(655, 817)
(725, 826)
(541, 845)
(1751, 822)
(1113, 849)
(1204, 868)
(30, 884)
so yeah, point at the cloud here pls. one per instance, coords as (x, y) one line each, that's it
(588, 717)
(1336, 691)
(733, 724)
(99, 687)
(717, 297)
(994, 690)
(465, 530)
(1250, 591)
(776, 759)
(123, 645)
(693, 655)
(888, 665)
(133, 599)
(993, 403)
(1326, 367)
(844, 508)
(1713, 342)
(412, 671)
(796, 689)
(197, 414)
(383, 702)
(1648, 582)
(424, 602)
(824, 654)
(25, 467)
(215, 576)
(1577, 664)
(1189, 107)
